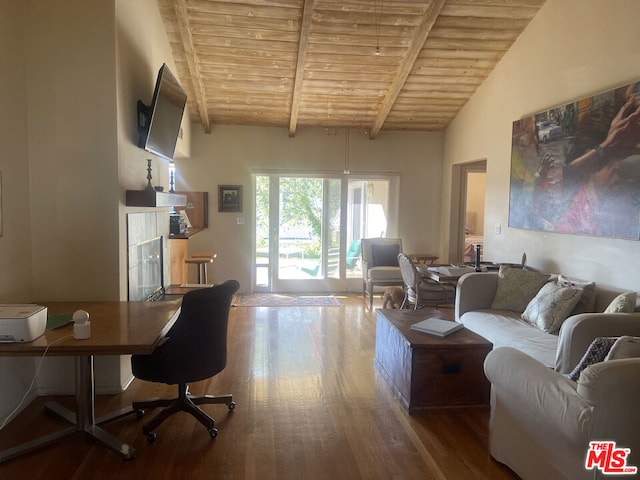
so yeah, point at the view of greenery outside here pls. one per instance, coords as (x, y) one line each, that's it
(301, 204)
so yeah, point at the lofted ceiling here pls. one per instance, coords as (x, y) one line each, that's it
(367, 64)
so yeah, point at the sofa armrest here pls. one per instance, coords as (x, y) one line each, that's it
(475, 291)
(543, 400)
(578, 331)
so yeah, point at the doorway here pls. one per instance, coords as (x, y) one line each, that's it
(308, 229)
(468, 192)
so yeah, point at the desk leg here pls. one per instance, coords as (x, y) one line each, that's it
(83, 420)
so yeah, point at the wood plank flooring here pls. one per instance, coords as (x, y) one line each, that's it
(310, 405)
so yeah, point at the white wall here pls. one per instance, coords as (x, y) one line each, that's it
(572, 49)
(72, 149)
(15, 242)
(229, 155)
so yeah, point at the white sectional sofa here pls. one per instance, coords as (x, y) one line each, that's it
(505, 328)
(542, 421)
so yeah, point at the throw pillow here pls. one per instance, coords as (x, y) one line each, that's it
(625, 347)
(384, 255)
(516, 287)
(587, 302)
(623, 303)
(596, 352)
(551, 306)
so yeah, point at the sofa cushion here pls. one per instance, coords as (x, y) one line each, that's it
(623, 303)
(384, 255)
(516, 288)
(597, 352)
(384, 274)
(587, 302)
(506, 329)
(551, 306)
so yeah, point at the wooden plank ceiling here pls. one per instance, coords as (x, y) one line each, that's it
(366, 64)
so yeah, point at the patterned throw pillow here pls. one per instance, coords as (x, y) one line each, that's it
(516, 287)
(623, 303)
(596, 353)
(587, 302)
(551, 306)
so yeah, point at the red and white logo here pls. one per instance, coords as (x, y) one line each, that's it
(610, 459)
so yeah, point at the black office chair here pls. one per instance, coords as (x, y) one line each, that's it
(195, 349)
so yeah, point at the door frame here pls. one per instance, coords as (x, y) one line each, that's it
(459, 175)
(344, 283)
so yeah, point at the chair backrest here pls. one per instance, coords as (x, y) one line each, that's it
(408, 271)
(378, 251)
(196, 345)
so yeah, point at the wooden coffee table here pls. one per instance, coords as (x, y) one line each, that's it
(430, 372)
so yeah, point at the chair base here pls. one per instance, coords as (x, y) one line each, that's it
(185, 402)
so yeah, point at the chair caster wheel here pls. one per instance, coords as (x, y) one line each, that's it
(231, 406)
(213, 432)
(139, 413)
(151, 437)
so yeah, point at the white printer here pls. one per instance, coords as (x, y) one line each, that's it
(22, 322)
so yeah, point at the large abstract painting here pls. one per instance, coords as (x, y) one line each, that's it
(576, 168)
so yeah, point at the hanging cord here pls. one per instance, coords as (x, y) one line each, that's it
(346, 153)
(33, 381)
(378, 22)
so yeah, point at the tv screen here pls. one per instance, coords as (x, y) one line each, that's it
(159, 123)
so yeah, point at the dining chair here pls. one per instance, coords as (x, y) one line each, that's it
(419, 291)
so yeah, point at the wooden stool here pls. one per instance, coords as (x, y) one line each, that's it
(201, 260)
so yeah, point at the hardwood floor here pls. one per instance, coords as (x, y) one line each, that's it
(310, 405)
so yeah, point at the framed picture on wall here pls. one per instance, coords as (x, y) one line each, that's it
(229, 198)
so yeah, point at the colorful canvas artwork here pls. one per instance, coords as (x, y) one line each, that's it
(576, 168)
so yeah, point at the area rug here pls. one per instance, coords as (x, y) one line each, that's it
(285, 300)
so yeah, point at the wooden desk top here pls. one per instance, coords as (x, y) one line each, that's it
(117, 328)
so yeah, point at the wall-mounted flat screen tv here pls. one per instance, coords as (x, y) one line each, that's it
(159, 123)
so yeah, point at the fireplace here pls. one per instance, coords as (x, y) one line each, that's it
(147, 235)
(145, 271)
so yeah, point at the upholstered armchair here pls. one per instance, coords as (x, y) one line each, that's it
(380, 264)
(542, 421)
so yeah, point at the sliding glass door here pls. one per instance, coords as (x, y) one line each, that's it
(308, 230)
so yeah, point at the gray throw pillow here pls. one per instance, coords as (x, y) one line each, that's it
(384, 255)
